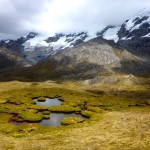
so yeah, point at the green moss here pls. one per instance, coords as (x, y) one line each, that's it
(28, 128)
(46, 117)
(3, 110)
(128, 105)
(71, 120)
(95, 103)
(95, 109)
(12, 109)
(41, 99)
(3, 101)
(92, 105)
(64, 108)
(87, 113)
(18, 100)
(73, 104)
(46, 112)
(41, 108)
(31, 115)
(18, 135)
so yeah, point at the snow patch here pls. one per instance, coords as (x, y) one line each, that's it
(38, 41)
(147, 35)
(7, 41)
(125, 38)
(91, 35)
(65, 41)
(112, 34)
(130, 25)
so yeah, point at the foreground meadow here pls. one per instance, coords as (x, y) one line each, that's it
(117, 115)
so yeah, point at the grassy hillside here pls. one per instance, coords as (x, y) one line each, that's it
(118, 115)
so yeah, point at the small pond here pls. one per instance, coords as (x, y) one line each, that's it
(55, 118)
(48, 102)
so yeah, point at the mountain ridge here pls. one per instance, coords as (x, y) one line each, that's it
(126, 44)
(134, 34)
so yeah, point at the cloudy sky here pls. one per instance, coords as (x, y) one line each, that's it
(18, 17)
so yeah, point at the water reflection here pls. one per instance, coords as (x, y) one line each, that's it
(55, 119)
(48, 102)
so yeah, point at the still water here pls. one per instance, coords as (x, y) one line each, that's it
(55, 118)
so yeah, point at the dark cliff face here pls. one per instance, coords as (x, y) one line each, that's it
(136, 38)
(141, 28)
(138, 46)
(12, 46)
(133, 34)
(16, 45)
(54, 38)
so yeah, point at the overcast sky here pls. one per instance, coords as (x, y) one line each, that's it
(18, 17)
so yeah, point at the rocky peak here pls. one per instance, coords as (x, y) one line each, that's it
(31, 35)
(133, 34)
(54, 38)
(104, 30)
(38, 46)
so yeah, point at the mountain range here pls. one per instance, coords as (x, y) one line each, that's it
(115, 49)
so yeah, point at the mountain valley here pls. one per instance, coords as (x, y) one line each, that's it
(100, 80)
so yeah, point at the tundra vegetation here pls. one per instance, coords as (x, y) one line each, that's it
(115, 115)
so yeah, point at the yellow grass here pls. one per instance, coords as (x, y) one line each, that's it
(116, 130)
(111, 128)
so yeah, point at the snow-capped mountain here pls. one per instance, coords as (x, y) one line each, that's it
(124, 48)
(36, 46)
(133, 34)
(137, 26)
(57, 41)
(110, 33)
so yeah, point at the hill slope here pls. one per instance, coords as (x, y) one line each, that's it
(10, 60)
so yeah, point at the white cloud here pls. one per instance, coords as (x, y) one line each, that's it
(21, 16)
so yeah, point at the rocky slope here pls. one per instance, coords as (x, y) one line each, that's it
(86, 61)
(95, 57)
(10, 60)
